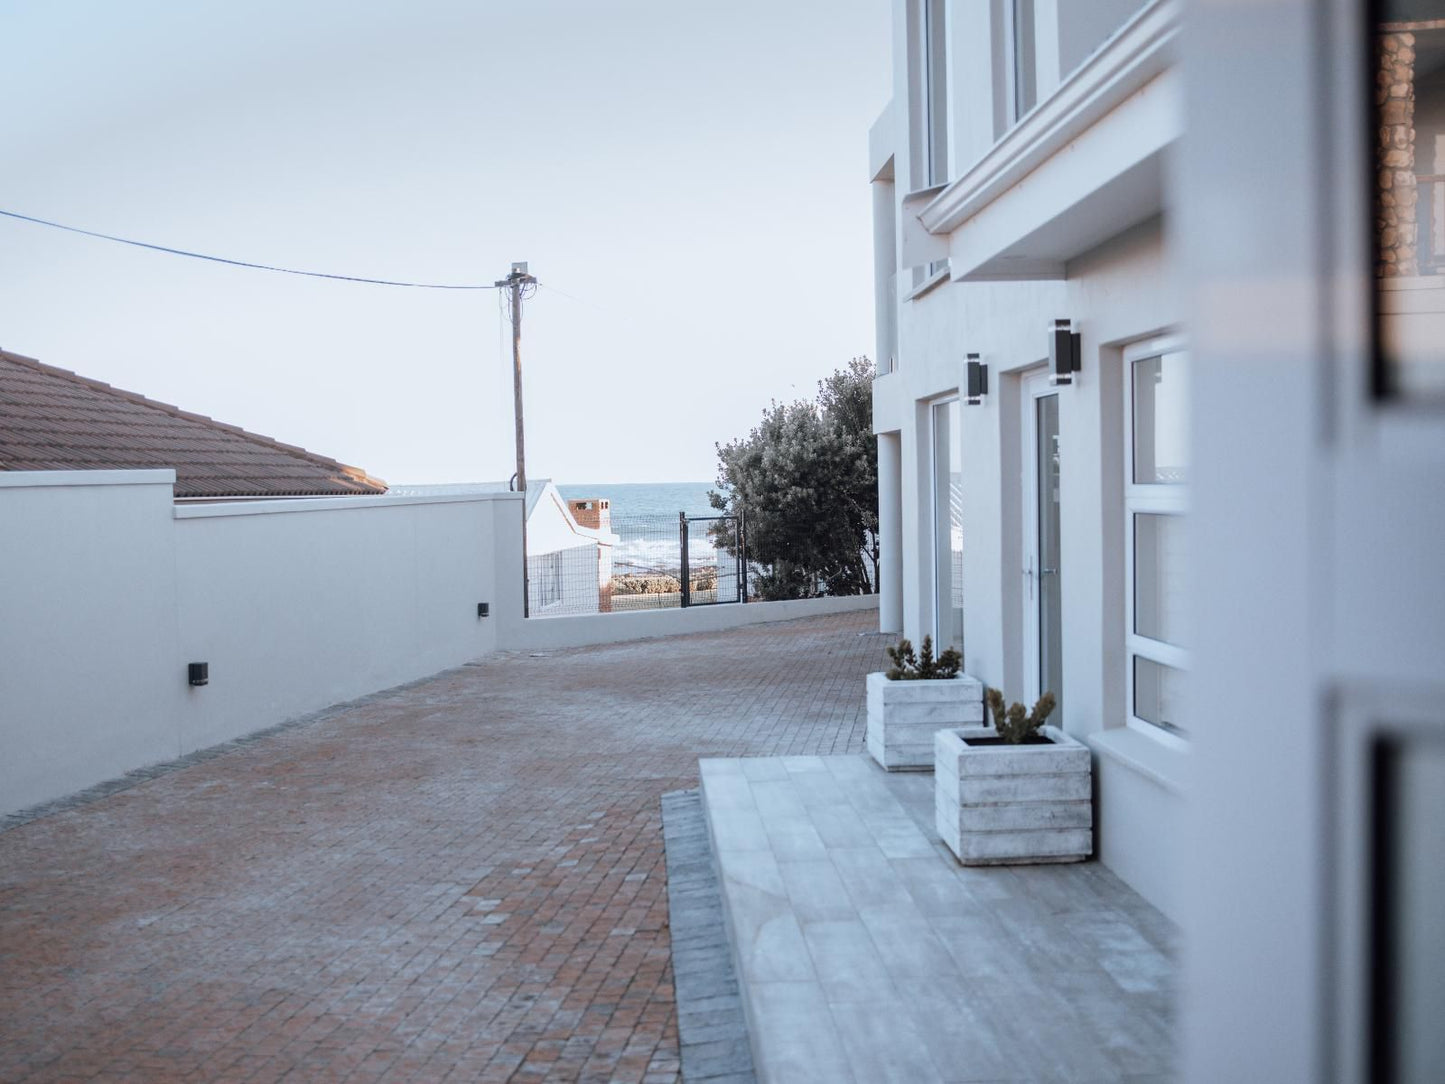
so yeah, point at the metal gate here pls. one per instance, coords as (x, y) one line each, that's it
(714, 570)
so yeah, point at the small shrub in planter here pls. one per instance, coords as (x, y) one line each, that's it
(1019, 793)
(910, 667)
(1012, 726)
(916, 696)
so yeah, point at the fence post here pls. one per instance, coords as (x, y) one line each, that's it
(686, 571)
(742, 558)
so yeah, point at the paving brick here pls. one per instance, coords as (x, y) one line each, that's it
(461, 879)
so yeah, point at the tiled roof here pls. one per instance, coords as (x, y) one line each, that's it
(52, 419)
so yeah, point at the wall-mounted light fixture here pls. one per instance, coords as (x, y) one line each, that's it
(1064, 352)
(484, 609)
(977, 385)
(198, 673)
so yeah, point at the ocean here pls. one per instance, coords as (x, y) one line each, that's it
(644, 517)
(647, 498)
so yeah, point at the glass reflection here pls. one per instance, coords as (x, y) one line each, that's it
(1409, 110)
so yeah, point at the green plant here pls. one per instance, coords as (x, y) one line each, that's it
(1013, 724)
(922, 667)
(806, 478)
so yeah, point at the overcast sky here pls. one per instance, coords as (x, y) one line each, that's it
(689, 179)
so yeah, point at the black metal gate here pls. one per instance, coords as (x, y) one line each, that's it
(714, 569)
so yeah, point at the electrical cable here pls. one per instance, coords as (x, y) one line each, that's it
(244, 263)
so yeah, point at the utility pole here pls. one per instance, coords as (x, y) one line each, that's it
(520, 285)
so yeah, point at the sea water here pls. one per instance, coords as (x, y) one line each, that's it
(647, 498)
(644, 517)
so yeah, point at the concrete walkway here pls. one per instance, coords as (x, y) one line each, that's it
(865, 953)
(460, 880)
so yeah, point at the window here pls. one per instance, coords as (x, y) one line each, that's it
(1156, 388)
(1024, 84)
(545, 574)
(933, 107)
(1409, 170)
(935, 91)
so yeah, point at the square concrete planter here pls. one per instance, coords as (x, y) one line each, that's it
(1009, 804)
(904, 715)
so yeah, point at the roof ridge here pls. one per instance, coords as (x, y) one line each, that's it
(293, 450)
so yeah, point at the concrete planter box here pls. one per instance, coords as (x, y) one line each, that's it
(1008, 804)
(904, 715)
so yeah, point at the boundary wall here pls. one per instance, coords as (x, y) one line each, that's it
(108, 589)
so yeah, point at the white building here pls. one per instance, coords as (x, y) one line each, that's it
(569, 563)
(569, 545)
(1218, 540)
(1019, 180)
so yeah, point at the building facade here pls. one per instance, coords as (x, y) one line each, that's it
(1038, 523)
(1216, 538)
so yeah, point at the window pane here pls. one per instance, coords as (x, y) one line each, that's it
(1409, 169)
(1161, 420)
(1084, 28)
(1025, 78)
(1160, 563)
(1159, 694)
(948, 526)
(935, 63)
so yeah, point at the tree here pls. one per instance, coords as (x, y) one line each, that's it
(806, 481)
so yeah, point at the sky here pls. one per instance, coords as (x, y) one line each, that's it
(688, 181)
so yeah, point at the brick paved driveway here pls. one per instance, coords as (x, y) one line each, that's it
(461, 880)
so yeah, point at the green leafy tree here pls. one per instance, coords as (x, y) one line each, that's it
(806, 481)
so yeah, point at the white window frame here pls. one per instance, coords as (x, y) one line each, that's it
(954, 441)
(550, 573)
(933, 97)
(1146, 499)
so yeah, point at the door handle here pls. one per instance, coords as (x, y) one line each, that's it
(1048, 572)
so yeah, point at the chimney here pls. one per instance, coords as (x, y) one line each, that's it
(594, 512)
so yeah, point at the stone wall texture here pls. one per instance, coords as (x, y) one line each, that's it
(1395, 224)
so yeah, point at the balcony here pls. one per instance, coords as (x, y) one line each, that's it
(1083, 166)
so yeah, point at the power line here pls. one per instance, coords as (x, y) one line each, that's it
(244, 263)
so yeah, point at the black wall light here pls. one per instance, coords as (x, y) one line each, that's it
(484, 609)
(977, 381)
(1064, 352)
(198, 673)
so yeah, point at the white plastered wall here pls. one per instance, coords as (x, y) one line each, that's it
(295, 605)
(1118, 293)
(90, 681)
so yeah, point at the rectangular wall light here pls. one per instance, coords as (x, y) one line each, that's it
(484, 609)
(198, 673)
(1064, 352)
(977, 385)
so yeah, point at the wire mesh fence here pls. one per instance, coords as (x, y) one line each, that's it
(642, 563)
(648, 567)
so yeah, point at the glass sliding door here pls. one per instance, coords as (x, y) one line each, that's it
(1051, 608)
(1041, 560)
(947, 527)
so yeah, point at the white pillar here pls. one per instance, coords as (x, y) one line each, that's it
(885, 275)
(890, 533)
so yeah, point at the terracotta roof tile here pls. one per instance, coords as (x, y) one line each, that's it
(52, 419)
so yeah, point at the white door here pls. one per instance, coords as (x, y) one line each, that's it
(1042, 567)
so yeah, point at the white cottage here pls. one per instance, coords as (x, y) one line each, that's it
(569, 552)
